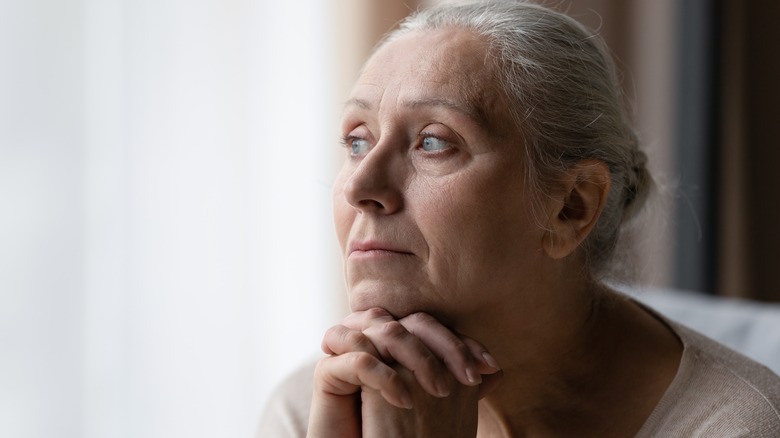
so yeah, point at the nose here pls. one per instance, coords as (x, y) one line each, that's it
(376, 183)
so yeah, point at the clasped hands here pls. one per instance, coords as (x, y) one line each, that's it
(388, 377)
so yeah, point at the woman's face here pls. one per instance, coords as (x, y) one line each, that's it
(430, 206)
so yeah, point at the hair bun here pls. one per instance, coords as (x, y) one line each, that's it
(638, 183)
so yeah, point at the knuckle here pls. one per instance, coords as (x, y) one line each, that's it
(420, 318)
(328, 339)
(470, 343)
(353, 338)
(430, 361)
(461, 350)
(376, 313)
(333, 331)
(392, 329)
(394, 378)
(362, 360)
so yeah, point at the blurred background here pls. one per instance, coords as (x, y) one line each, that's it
(166, 246)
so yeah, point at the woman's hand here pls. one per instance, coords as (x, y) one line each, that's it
(451, 416)
(397, 365)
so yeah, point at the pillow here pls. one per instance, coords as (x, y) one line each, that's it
(750, 327)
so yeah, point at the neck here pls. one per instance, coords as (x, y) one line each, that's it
(572, 359)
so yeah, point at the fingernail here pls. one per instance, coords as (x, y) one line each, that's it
(442, 388)
(406, 401)
(473, 376)
(490, 360)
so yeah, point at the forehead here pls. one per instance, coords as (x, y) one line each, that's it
(449, 66)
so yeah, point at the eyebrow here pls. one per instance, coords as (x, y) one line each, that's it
(359, 103)
(467, 110)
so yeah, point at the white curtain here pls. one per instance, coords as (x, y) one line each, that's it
(166, 249)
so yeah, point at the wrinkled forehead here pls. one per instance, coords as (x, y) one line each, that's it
(452, 65)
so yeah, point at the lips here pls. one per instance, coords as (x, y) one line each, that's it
(375, 247)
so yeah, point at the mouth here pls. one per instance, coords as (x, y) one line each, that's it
(372, 249)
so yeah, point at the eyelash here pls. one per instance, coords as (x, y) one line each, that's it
(346, 142)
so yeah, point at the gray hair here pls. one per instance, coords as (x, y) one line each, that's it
(564, 97)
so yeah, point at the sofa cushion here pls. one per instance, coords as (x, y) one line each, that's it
(750, 327)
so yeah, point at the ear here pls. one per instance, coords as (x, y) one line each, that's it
(575, 209)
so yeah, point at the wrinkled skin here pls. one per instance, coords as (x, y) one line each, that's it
(430, 212)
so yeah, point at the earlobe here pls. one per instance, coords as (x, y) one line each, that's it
(576, 208)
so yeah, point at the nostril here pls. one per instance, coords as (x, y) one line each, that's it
(375, 184)
(372, 203)
(385, 201)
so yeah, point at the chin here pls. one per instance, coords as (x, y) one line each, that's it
(398, 299)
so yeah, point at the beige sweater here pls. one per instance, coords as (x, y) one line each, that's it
(717, 392)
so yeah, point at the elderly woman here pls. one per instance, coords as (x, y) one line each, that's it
(490, 167)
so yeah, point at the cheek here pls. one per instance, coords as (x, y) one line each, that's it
(486, 223)
(343, 213)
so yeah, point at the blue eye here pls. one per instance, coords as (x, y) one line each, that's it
(358, 146)
(433, 144)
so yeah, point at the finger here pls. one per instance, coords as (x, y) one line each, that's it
(447, 346)
(395, 343)
(340, 339)
(489, 383)
(347, 373)
(486, 363)
(492, 375)
(364, 319)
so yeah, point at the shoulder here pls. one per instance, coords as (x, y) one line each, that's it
(287, 412)
(717, 392)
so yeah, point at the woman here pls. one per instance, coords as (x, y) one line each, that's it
(490, 168)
